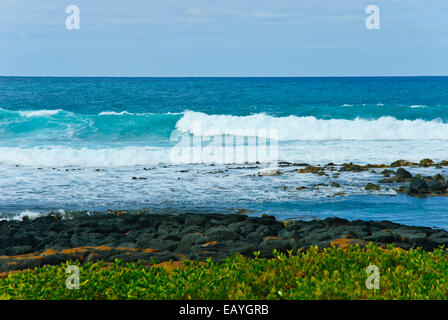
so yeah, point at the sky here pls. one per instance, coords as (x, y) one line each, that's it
(223, 38)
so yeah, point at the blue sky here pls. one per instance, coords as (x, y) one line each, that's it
(223, 38)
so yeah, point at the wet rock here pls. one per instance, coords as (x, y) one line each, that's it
(426, 163)
(335, 185)
(436, 187)
(402, 163)
(418, 186)
(403, 173)
(372, 187)
(387, 172)
(312, 169)
(353, 167)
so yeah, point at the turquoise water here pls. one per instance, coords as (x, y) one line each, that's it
(76, 143)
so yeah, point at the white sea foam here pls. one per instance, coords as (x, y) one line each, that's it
(27, 213)
(418, 106)
(311, 128)
(39, 113)
(113, 113)
(313, 152)
(59, 156)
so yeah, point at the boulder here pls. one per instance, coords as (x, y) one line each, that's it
(418, 186)
(372, 187)
(426, 163)
(335, 185)
(436, 186)
(195, 238)
(403, 173)
(221, 233)
(268, 245)
(401, 163)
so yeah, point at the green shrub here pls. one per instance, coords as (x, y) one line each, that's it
(332, 273)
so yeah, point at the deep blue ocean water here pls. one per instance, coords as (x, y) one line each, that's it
(76, 143)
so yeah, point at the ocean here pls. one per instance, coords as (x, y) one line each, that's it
(101, 144)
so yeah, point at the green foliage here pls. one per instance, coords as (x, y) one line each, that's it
(332, 273)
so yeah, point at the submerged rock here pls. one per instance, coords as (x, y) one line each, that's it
(372, 187)
(335, 185)
(387, 172)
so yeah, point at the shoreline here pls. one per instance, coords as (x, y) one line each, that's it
(158, 238)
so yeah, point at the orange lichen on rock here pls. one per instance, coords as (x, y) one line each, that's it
(49, 252)
(344, 243)
(209, 244)
(73, 251)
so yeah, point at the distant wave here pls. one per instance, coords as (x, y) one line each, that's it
(113, 113)
(417, 106)
(311, 128)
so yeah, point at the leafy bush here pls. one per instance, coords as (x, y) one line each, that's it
(333, 273)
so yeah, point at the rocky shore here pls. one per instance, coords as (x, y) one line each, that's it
(157, 238)
(395, 176)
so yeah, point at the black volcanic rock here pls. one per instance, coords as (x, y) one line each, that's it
(144, 237)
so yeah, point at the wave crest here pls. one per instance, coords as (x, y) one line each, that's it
(311, 128)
